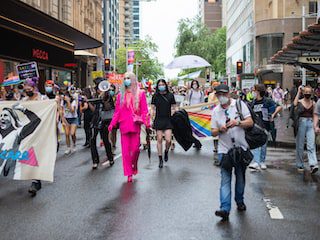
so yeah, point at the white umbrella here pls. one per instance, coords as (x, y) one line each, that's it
(191, 75)
(188, 61)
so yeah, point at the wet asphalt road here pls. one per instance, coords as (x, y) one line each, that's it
(176, 202)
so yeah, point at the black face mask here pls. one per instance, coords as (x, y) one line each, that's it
(29, 93)
(307, 96)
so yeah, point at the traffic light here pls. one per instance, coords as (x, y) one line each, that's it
(239, 67)
(107, 64)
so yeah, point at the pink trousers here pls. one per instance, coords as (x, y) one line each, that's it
(130, 143)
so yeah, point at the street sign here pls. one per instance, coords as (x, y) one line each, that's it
(310, 59)
(247, 83)
(130, 60)
(115, 78)
(27, 70)
(96, 74)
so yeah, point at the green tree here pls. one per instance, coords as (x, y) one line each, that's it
(195, 38)
(145, 54)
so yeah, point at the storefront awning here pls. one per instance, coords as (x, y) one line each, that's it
(19, 13)
(304, 50)
(84, 53)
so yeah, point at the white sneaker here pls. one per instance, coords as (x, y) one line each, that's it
(74, 149)
(68, 151)
(263, 166)
(254, 166)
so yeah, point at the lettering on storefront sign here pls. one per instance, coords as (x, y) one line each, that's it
(40, 54)
(310, 60)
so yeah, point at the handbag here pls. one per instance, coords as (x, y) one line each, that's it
(106, 115)
(256, 136)
(236, 156)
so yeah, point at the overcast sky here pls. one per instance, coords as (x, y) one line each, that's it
(159, 19)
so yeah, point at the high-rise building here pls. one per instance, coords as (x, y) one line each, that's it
(257, 29)
(210, 12)
(126, 22)
(136, 19)
(112, 27)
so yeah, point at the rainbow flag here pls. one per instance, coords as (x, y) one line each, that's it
(200, 119)
(11, 81)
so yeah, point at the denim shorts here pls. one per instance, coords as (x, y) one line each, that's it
(72, 121)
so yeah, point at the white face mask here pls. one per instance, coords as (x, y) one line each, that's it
(223, 100)
(254, 95)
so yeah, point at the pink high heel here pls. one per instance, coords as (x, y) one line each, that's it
(130, 178)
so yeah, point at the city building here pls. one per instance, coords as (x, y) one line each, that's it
(112, 27)
(210, 12)
(126, 22)
(256, 30)
(85, 16)
(33, 35)
(136, 19)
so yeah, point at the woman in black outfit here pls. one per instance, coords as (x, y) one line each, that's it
(87, 115)
(103, 109)
(163, 105)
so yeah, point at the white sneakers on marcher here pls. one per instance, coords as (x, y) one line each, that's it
(254, 166)
(263, 166)
(68, 151)
(257, 166)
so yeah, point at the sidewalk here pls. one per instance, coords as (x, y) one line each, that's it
(285, 137)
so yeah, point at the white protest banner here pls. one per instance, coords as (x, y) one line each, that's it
(28, 140)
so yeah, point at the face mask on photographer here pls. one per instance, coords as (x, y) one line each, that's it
(111, 92)
(223, 100)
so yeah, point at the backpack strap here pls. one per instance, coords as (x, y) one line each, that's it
(239, 109)
(190, 96)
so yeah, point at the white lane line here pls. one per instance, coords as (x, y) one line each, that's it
(274, 211)
(118, 156)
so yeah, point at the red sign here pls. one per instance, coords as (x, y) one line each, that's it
(115, 78)
(70, 65)
(40, 54)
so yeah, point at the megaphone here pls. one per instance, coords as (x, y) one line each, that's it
(104, 86)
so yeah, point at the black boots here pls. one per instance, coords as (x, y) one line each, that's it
(35, 187)
(166, 157)
(160, 162)
(223, 214)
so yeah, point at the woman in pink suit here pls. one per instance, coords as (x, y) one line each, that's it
(131, 112)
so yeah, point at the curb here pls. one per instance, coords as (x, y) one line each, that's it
(290, 145)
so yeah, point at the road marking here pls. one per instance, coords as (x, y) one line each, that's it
(274, 211)
(118, 156)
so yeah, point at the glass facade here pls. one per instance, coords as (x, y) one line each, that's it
(136, 19)
(267, 46)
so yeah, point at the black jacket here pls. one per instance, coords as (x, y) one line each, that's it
(182, 130)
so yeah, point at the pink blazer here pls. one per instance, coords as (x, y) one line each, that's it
(125, 116)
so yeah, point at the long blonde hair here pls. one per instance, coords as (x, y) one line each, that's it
(134, 90)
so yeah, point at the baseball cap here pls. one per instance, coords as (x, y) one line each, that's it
(222, 88)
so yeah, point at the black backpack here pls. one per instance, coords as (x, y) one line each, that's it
(257, 135)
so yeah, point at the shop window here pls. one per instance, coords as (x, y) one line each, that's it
(268, 45)
(313, 7)
(8, 69)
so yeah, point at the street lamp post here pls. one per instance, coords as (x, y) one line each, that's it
(304, 77)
